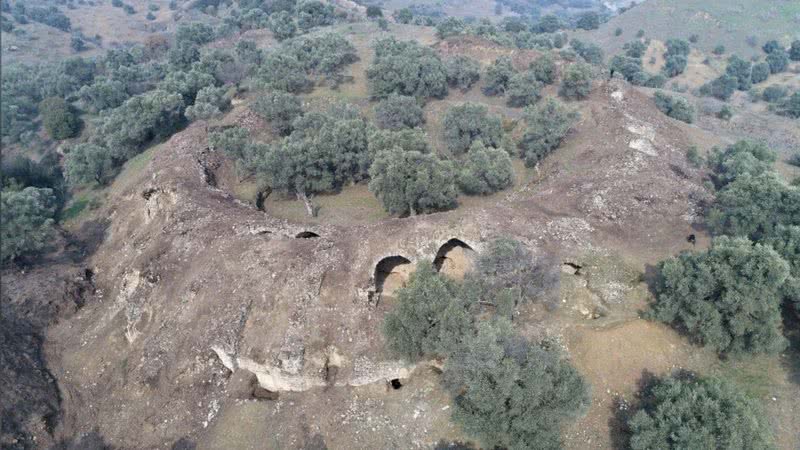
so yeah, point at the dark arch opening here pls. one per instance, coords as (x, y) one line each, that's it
(441, 255)
(306, 235)
(396, 384)
(386, 267)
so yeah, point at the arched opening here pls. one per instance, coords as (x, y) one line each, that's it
(454, 258)
(306, 235)
(391, 273)
(396, 384)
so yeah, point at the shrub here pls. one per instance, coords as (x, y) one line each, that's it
(88, 163)
(725, 113)
(676, 107)
(451, 26)
(26, 222)
(509, 393)
(209, 103)
(283, 72)
(674, 65)
(523, 90)
(280, 109)
(753, 206)
(589, 52)
(507, 268)
(727, 298)
(462, 72)
(407, 139)
(470, 122)
(694, 157)
(485, 170)
(690, 412)
(50, 16)
(589, 21)
(722, 87)
(58, 118)
(778, 61)
(324, 151)
(740, 159)
(374, 11)
(577, 82)
(791, 106)
(719, 50)
(635, 49)
(412, 182)
(396, 112)
(794, 50)
(760, 72)
(406, 68)
(549, 24)
(403, 15)
(314, 13)
(741, 70)
(282, 25)
(694, 38)
(548, 122)
(498, 75)
(640, 34)
(232, 141)
(772, 46)
(677, 47)
(429, 317)
(774, 93)
(544, 69)
(618, 32)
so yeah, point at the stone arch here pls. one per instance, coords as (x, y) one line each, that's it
(306, 235)
(391, 273)
(454, 258)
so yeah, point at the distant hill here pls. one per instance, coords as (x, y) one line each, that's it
(726, 22)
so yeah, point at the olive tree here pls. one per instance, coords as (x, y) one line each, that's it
(727, 298)
(470, 122)
(576, 83)
(676, 107)
(406, 68)
(410, 182)
(27, 223)
(697, 412)
(509, 393)
(88, 163)
(430, 317)
(279, 108)
(406, 139)
(548, 123)
(485, 170)
(396, 112)
(498, 75)
(524, 89)
(544, 69)
(58, 118)
(462, 72)
(742, 158)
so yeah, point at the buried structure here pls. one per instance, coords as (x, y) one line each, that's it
(455, 258)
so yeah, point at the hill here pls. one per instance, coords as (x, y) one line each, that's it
(726, 22)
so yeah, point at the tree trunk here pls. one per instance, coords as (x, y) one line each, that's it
(310, 209)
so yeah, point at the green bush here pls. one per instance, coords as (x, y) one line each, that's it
(325, 151)
(450, 26)
(754, 206)
(741, 70)
(544, 69)
(279, 108)
(409, 182)
(396, 112)
(688, 412)
(58, 118)
(727, 298)
(719, 50)
(282, 25)
(430, 317)
(760, 72)
(88, 163)
(794, 50)
(588, 21)
(407, 139)
(283, 72)
(694, 157)
(548, 123)
(791, 106)
(508, 393)
(462, 72)
(26, 222)
(232, 141)
(778, 61)
(591, 53)
(464, 124)
(485, 170)
(774, 93)
(676, 107)
(524, 89)
(406, 68)
(577, 82)
(740, 159)
(498, 75)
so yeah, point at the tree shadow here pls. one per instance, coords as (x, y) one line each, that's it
(791, 357)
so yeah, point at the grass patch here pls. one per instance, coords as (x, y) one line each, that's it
(754, 375)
